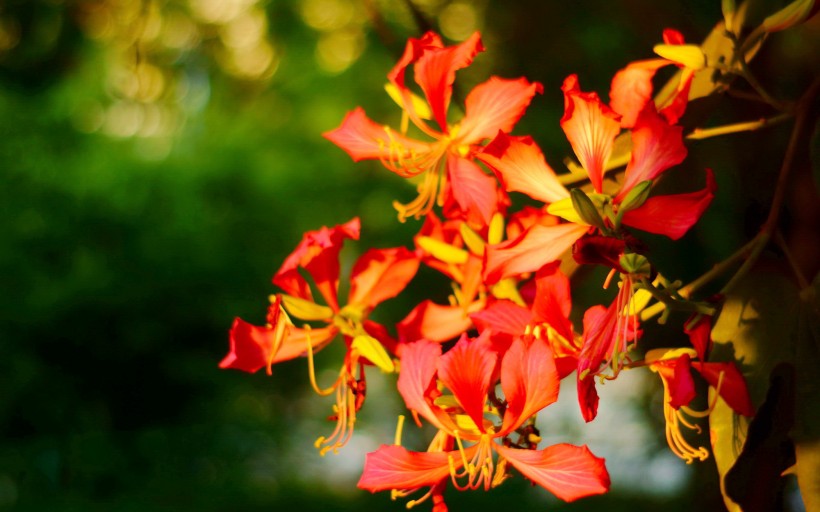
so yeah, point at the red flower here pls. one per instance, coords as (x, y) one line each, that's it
(451, 178)
(675, 369)
(529, 381)
(378, 275)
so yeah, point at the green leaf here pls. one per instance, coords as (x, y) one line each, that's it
(756, 327)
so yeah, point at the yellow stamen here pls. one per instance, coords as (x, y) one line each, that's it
(312, 368)
(674, 436)
(399, 427)
(431, 192)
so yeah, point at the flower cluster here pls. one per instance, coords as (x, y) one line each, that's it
(480, 367)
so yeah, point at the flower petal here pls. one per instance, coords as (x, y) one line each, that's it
(672, 215)
(531, 250)
(677, 375)
(318, 254)
(364, 139)
(380, 274)
(552, 301)
(570, 472)
(416, 378)
(475, 193)
(467, 371)
(591, 128)
(529, 380)
(733, 388)
(253, 347)
(520, 165)
(656, 146)
(394, 467)
(435, 322)
(700, 335)
(587, 397)
(631, 89)
(502, 316)
(435, 72)
(494, 105)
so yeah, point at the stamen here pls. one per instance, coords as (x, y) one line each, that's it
(430, 193)
(345, 412)
(312, 368)
(674, 436)
(399, 427)
(608, 279)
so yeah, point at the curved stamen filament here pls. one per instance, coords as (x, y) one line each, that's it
(312, 368)
(674, 436)
(431, 192)
(345, 412)
(479, 470)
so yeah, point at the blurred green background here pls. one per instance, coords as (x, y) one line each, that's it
(160, 159)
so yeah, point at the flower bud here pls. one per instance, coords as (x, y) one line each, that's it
(586, 210)
(636, 197)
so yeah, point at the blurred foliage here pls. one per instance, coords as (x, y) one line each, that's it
(161, 158)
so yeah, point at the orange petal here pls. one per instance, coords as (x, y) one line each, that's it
(475, 193)
(531, 250)
(435, 72)
(591, 128)
(467, 371)
(364, 139)
(494, 105)
(521, 166)
(394, 467)
(570, 472)
(631, 89)
(380, 274)
(529, 380)
(435, 322)
(656, 146)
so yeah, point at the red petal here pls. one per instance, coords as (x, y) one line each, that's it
(418, 369)
(529, 381)
(318, 253)
(588, 398)
(435, 72)
(381, 274)
(434, 322)
(250, 346)
(503, 316)
(672, 36)
(590, 127)
(700, 335)
(672, 215)
(394, 467)
(656, 146)
(520, 165)
(570, 472)
(412, 51)
(364, 139)
(678, 376)
(631, 89)
(733, 389)
(553, 302)
(474, 192)
(530, 251)
(494, 105)
(467, 371)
